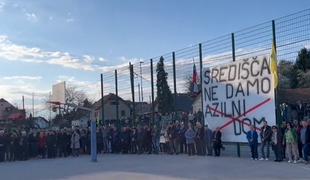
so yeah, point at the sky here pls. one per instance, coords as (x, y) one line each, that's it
(45, 42)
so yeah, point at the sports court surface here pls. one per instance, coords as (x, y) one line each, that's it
(152, 167)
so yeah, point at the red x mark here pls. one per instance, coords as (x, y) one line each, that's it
(232, 119)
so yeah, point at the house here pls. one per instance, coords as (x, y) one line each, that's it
(197, 104)
(41, 122)
(294, 95)
(8, 111)
(82, 122)
(141, 107)
(183, 103)
(124, 109)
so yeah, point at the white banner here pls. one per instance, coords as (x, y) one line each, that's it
(237, 95)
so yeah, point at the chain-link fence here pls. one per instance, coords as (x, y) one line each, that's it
(136, 87)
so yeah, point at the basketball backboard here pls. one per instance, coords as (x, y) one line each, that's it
(59, 93)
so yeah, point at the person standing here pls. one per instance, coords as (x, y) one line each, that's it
(75, 143)
(155, 139)
(305, 140)
(2, 146)
(208, 140)
(290, 136)
(265, 136)
(24, 146)
(252, 137)
(190, 141)
(200, 140)
(217, 142)
(277, 144)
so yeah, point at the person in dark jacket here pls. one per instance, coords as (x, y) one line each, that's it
(265, 136)
(62, 143)
(217, 142)
(305, 140)
(173, 139)
(116, 140)
(134, 140)
(277, 142)
(99, 140)
(201, 150)
(14, 146)
(24, 144)
(148, 140)
(125, 138)
(51, 145)
(252, 137)
(182, 139)
(34, 144)
(2, 145)
(208, 140)
(140, 138)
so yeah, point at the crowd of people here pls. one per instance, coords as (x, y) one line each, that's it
(292, 139)
(174, 138)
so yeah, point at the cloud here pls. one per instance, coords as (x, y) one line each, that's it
(2, 4)
(69, 20)
(31, 16)
(101, 59)
(14, 52)
(37, 78)
(11, 91)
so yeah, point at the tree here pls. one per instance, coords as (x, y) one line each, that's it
(188, 85)
(164, 96)
(287, 71)
(77, 97)
(303, 79)
(73, 96)
(303, 60)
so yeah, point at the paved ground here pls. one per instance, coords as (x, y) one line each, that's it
(153, 167)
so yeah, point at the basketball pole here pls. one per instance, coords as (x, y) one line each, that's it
(93, 138)
(93, 142)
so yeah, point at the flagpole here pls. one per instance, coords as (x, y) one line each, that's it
(278, 119)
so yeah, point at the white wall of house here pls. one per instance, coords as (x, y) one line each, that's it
(42, 123)
(197, 104)
(110, 110)
(5, 109)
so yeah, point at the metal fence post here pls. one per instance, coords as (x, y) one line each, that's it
(201, 93)
(152, 91)
(102, 102)
(274, 40)
(234, 59)
(132, 93)
(116, 94)
(174, 87)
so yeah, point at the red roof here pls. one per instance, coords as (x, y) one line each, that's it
(17, 116)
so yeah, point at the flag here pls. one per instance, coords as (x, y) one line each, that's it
(195, 87)
(273, 65)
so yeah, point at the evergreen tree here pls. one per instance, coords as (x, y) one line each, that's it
(303, 60)
(164, 96)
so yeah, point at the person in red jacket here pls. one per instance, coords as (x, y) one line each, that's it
(42, 144)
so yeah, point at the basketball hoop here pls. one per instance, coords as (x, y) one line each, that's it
(54, 103)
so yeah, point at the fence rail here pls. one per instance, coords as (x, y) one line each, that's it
(138, 85)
